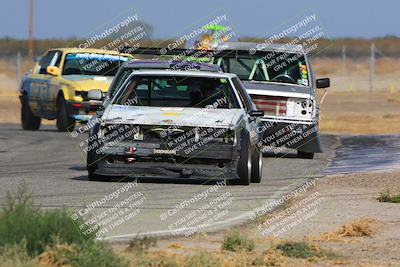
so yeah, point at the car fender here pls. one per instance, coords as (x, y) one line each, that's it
(67, 89)
(29, 93)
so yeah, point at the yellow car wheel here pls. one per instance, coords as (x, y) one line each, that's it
(64, 121)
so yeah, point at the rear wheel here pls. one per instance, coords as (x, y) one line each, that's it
(64, 122)
(244, 163)
(305, 155)
(28, 120)
(256, 165)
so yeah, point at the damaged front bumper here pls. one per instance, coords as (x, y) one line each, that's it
(166, 170)
(154, 160)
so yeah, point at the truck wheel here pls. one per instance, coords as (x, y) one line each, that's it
(256, 165)
(28, 120)
(64, 122)
(305, 155)
(244, 163)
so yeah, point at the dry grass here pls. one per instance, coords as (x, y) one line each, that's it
(175, 246)
(361, 124)
(8, 76)
(360, 113)
(273, 257)
(16, 255)
(54, 257)
(355, 67)
(364, 227)
(270, 257)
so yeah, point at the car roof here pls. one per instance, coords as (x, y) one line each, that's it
(89, 50)
(171, 65)
(261, 47)
(191, 73)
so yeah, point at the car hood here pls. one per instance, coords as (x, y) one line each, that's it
(277, 89)
(89, 82)
(194, 117)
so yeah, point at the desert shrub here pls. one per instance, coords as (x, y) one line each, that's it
(237, 242)
(302, 250)
(21, 221)
(141, 244)
(97, 254)
(387, 196)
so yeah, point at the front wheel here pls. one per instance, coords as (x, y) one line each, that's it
(28, 120)
(93, 156)
(91, 166)
(95, 177)
(64, 122)
(244, 163)
(305, 155)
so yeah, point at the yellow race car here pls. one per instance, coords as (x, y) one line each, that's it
(57, 87)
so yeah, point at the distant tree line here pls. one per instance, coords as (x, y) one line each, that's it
(355, 48)
(9, 47)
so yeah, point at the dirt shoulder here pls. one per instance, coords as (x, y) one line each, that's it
(343, 219)
(349, 198)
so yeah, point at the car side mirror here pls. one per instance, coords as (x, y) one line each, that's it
(256, 113)
(53, 70)
(323, 83)
(95, 94)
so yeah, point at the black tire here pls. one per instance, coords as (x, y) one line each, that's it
(64, 121)
(244, 162)
(256, 165)
(29, 121)
(305, 155)
(92, 157)
(95, 177)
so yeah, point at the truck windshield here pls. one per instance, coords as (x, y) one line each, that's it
(92, 64)
(281, 67)
(177, 91)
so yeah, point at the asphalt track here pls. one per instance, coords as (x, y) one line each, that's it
(52, 167)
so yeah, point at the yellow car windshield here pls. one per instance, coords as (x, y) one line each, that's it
(92, 64)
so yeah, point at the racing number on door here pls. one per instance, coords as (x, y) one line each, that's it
(39, 91)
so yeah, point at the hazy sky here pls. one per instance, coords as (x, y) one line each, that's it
(77, 18)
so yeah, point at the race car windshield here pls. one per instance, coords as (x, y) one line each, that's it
(92, 64)
(278, 67)
(177, 91)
